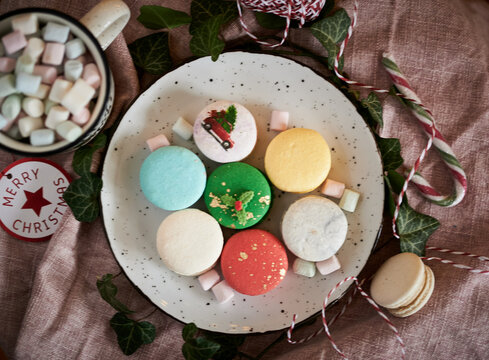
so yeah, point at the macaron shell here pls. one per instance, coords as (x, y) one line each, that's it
(254, 262)
(398, 281)
(297, 160)
(189, 242)
(420, 300)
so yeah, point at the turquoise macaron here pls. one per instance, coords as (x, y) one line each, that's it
(172, 178)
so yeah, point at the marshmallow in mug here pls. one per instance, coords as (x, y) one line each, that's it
(47, 81)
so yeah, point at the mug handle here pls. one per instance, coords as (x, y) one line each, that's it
(106, 20)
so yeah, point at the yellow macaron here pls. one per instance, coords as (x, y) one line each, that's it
(403, 284)
(298, 160)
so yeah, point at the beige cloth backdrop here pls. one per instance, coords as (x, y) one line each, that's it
(49, 305)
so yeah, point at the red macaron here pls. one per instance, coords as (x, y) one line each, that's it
(253, 262)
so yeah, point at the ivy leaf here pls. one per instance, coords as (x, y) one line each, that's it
(246, 197)
(189, 331)
(330, 31)
(270, 21)
(159, 17)
(82, 160)
(228, 200)
(242, 216)
(131, 334)
(394, 182)
(390, 149)
(229, 345)
(414, 229)
(152, 53)
(207, 41)
(108, 291)
(203, 10)
(372, 104)
(82, 197)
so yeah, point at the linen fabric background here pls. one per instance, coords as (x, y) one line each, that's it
(49, 304)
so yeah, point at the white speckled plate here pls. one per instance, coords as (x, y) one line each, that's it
(261, 83)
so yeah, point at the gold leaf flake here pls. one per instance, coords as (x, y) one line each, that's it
(243, 255)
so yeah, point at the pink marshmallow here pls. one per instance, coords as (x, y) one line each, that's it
(14, 42)
(333, 188)
(13, 121)
(91, 75)
(53, 54)
(7, 64)
(82, 117)
(209, 279)
(279, 120)
(48, 74)
(328, 266)
(157, 142)
(223, 292)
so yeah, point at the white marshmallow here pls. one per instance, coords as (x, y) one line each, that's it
(11, 106)
(74, 48)
(33, 107)
(59, 90)
(3, 121)
(34, 48)
(69, 130)
(42, 137)
(78, 97)
(41, 93)
(157, 142)
(328, 266)
(27, 24)
(56, 32)
(304, 267)
(48, 104)
(209, 279)
(25, 63)
(57, 114)
(7, 85)
(73, 70)
(279, 120)
(183, 129)
(28, 124)
(349, 200)
(223, 292)
(27, 83)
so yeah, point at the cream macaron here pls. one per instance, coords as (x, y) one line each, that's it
(403, 284)
(189, 242)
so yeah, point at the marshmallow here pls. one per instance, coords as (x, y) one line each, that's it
(183, 129)
(7, 64)
(53, 54)
(56, 32)
(3, 122)
(223, 292)
(57, 114)
(25, 63)
(34, 48)
(78, 97)
(7, 85)
(82, 117)
(27, 24)
(328, 266)
(42, 137)
(333, 188)
(11, 106)
(41, 92)
(75, 48)
(349, 200)
(157, 142)
(48, 73)
(304, 267)
(13, 131)
(48, 104)
(33, 107)
(91, 75)
(28, 124)
(69, 130)
(14, 42)
(59, 90)
(279, 120)
(27, 83)
(209, 279)
(73, 70)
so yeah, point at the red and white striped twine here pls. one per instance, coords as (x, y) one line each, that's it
(358, 287)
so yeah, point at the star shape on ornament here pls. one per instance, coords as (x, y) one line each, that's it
(35, 201)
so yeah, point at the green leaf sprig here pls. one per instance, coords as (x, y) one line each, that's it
(242, 200)
(131, 334)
